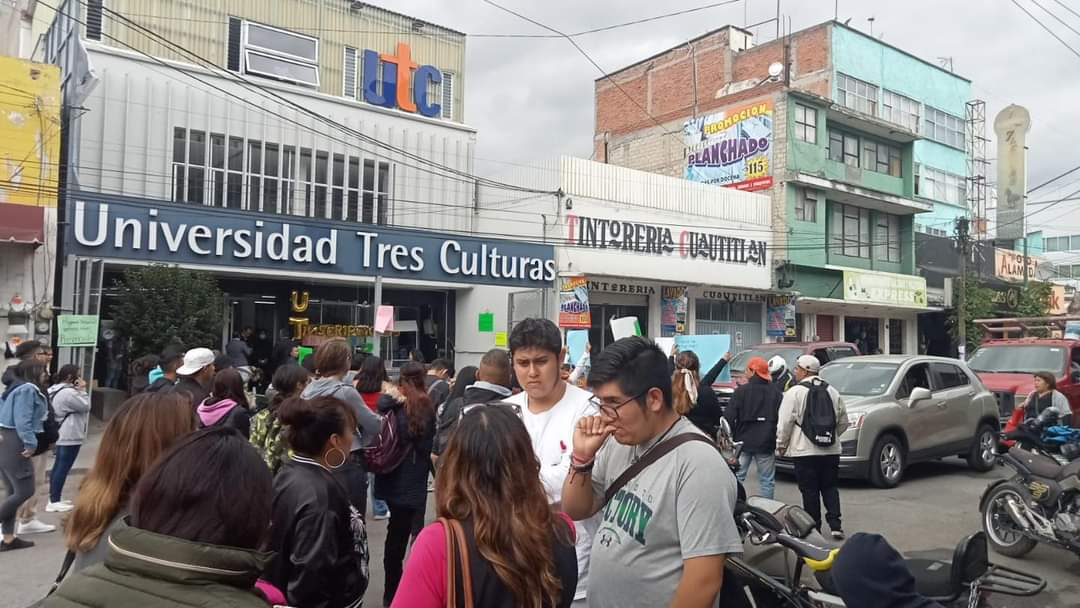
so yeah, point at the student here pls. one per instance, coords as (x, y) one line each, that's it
(688, 493)
(71, 407)
(371, 380)
(752, 415)
(238, 349)
(404, 489)
(492, 383)
(196, 375)
(170, 362)
(551, 409)
(520, 552)
(318, 537)
(438, 379)
(693, 394)
(817, 468)
(203, 554)
(227, 404)
(23, 408)
(142, 429)
(332, 361)
(266, 430)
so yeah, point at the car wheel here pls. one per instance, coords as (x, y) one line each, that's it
(887, 461)
(981, 457)
(1004, 535)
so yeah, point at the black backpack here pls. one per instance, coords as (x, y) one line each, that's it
(819, 415)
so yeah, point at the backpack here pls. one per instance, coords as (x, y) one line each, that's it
(267, 440)
(389, 449)
(819, 415)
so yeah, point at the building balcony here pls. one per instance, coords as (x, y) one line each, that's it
(843, 191)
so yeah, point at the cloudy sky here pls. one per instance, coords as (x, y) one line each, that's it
(532, 98)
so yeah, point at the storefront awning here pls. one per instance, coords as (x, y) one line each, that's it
(23, 224)
(854, 309)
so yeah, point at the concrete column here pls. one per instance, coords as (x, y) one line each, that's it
(883, 334)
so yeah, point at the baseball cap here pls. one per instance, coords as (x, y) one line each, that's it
(194, 360)
(759, 366)
(810, 363)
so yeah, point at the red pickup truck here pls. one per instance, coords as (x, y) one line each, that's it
(1007, 368)
(790, 351)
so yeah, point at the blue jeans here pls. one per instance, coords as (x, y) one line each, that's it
(766, 468)
(65, 459)
(378, 506)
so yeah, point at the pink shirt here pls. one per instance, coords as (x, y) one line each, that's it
(423, 584)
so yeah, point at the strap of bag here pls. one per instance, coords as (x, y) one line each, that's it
(69, 559)
(656, 453)
(456, 548)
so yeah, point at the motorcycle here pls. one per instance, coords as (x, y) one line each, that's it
(1040, 503)
(786, 561)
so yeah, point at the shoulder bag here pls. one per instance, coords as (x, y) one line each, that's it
(656, 453)
(456, 549)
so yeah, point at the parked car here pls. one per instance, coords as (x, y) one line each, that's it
(910, 408)
(790, 351)
(1007, 368)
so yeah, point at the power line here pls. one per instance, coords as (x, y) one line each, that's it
(1054, 179)
(1067, 7)
(1046, 27)
(1056, 18)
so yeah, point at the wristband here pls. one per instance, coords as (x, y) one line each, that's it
(575, 459)
(581, 468)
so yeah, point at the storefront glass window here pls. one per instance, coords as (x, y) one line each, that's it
(741, 320)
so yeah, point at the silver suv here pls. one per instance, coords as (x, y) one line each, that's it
(909, 408)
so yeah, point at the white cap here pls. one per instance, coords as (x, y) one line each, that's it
(776, 364)
(194, 360)
(809, 363)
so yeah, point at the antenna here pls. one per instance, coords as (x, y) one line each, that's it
(871, 20)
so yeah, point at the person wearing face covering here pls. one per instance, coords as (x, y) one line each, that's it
(692, 393)
(869, 572)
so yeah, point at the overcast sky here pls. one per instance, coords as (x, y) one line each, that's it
(532, 99)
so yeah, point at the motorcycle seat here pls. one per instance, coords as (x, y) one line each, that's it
(1040, 465)
(1069, 470)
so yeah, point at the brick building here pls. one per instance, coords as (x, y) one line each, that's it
(858, 144)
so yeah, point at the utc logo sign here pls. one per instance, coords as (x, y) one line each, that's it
(404, 83)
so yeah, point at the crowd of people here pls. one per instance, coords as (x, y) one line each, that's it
(556, 483)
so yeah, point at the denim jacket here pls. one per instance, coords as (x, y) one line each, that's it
(23, 407)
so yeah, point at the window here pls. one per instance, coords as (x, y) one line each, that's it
(1075, 242)
(881, 158)
(918, 376)
(856, 94)
(273, 53)
(944, 128)
(447, 95)
(940, 186)
(94, 19)
(900, 110)
(949, 376)
(805, 123)
(218, 170)
(850, 230)
(348, 81)
(806, 205)
(887, 237)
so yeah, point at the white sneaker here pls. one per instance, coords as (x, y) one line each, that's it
(59, 507)
(34, 527)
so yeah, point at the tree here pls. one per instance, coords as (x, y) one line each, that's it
(159, 304)
(1034, 299)
(979, 305)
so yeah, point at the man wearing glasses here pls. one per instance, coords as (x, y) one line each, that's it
(550, 409)
(664, 536)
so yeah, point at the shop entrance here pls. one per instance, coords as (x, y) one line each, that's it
(600, 333)
(863, 332)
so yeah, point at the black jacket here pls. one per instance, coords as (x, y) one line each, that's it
(450, 413)
(187, 384)
(162, 384)
(316, 563)
(869, 572)
(706, 414)
(407, 484)
(753, 413)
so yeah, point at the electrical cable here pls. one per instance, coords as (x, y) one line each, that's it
(1054, 179)
(1047, 28)
(1056, 18)
(1067, 7)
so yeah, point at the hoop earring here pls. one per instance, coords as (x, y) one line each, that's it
(344, 457)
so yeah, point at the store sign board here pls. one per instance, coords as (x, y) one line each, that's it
(732, 148)
(574, 310)
(780, 317)
(396, 81)
(1009, 265)
(662, 240)
(77, 330)
(153, 231)
(1011, 126)
(673, 310)
(884, 288)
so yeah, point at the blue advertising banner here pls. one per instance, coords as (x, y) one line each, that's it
(732, 148)
(153, 231)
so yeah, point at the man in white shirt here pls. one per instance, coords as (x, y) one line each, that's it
(551, 409)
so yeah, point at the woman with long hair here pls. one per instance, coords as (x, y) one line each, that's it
(318, 538)
(227, 404)
(692, 394)
(138, 433)
(370, 382)
(71, 407)
(404, 489)
(23, 408)
(288, 382)
(186, 543)
(521, 553)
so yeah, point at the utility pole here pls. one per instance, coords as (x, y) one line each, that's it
(962, 236)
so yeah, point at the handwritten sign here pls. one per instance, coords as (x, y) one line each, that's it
(384, 319)
(77, 330)
(576, 341)
(709, 349)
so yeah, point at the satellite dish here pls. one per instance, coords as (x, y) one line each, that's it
(776, 69)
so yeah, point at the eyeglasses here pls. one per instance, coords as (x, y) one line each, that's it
(511, 406)
(612, 411)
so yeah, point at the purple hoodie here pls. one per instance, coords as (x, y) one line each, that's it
(211, 414)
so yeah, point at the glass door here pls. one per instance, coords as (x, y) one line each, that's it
(600, 333)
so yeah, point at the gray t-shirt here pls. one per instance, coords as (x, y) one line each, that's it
(680, 507)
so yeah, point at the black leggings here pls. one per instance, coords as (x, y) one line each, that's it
(400, 528)
(18, 474)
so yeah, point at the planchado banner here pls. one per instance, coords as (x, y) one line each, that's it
(574, 310)
(732, 148)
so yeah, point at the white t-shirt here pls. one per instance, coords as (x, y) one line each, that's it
(552, 434)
